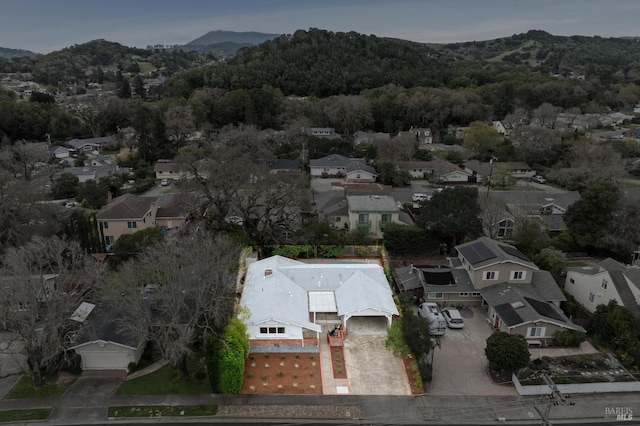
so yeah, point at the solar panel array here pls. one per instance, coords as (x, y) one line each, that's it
(514, 252)
(508, 315)
(476, 252)
(545, 309)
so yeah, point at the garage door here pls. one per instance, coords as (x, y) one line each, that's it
(105, 360)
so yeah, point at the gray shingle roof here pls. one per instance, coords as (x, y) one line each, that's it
(103, 324)
(503, 295)
(372, 203)
(497, 249)
(126, 206)
(334, 160)
(78, 143)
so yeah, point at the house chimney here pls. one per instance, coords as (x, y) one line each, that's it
(268, 272)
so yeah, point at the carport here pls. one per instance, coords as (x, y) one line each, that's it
(367, 325)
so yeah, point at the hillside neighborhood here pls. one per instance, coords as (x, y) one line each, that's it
(201, 242)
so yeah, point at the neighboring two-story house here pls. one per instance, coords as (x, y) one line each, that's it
(130, 213)
(372, 212)
(520, 298)
(599, 284)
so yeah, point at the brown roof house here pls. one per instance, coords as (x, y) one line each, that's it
(130, 213)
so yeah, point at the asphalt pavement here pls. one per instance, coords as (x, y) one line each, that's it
(87, 400)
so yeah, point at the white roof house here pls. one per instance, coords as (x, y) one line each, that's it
(284, 297)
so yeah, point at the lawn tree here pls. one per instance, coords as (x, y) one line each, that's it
(194, 281)
(482, 139)
(588, 220)
(507, 352)
(453, 215)
(44, 282)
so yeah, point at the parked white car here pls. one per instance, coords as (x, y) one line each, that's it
(165, 182)
(419, 196)
(538, 179)
(452, 317)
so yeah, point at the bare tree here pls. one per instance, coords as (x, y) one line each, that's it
(536, 145)
(180, 124)
(546, 115)
(44, 282)
(590, 163)
(178, 292)
(232, 181)
(492, 212)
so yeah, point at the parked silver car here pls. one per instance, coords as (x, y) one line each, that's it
(452, 317)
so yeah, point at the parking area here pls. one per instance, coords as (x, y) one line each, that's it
(459, 364)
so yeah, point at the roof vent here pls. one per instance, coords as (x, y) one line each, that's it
(268, 272)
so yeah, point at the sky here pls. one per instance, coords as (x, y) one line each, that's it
(43, 26)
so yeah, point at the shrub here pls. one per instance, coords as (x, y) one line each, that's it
(133, 366)
(571, 338)
(507, 352)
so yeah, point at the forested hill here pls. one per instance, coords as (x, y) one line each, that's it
(75, 63)
(6, 52)
(554, 53)
(322, 63)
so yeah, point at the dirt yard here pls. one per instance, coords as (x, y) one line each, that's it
(282, 373)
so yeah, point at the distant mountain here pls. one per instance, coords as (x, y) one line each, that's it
(6, 52)
(242, 38)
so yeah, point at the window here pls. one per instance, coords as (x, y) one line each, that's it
(271, 330)
(464, 294)
(490, 275)
(592, 297)
(475, 294)
(536, 331)
(604, 284)
(518, 275)
(132, 225)
(435, 296)
(109, 240)
(104, 225)
(337, 218)
(358, 176)
(386, 217)
(363, 217)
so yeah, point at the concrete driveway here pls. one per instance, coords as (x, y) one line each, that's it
(372, 369)
(460, 366)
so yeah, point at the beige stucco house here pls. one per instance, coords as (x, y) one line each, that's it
(130, 213)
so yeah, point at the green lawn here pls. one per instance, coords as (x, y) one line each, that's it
(26, 389)
(166, 381)
(162, 411)
(20, 415)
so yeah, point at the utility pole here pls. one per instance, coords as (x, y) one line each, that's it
(555, 398)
